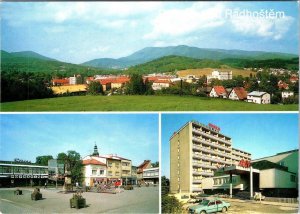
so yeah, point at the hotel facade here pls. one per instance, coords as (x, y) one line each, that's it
(196, 152)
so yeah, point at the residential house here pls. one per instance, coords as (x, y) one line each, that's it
(282, 85)
(160, 84)
(145, 165)
(259, 97)
(119, 82)
(238, 93)
(286, 94)
(106, 84)
(294, 79)
(94, 171)
(60, 82)
(218, 91)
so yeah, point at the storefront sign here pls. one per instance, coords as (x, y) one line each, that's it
(244, 163)
(214, 127)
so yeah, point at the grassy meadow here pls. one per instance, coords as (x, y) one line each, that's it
(138, 103)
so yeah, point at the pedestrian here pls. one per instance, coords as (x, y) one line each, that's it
(45, 187)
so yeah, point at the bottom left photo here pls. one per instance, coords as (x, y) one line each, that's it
(92, 162)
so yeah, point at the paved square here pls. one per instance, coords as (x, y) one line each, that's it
(139, 200)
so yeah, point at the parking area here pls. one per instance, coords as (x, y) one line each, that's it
(139, 200)
(252, 207)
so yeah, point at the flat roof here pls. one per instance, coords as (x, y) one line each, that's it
(237, 170)
(281, 153)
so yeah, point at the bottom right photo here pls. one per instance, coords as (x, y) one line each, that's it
(235, 162)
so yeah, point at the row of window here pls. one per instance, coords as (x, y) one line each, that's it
(226, 180)
(22, 170)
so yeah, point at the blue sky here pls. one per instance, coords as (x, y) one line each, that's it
(260, 134)
(80, 31)
(132, 136)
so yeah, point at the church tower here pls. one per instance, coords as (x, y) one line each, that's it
(95, 153)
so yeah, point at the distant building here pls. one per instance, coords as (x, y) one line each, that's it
(282, 85)
(294, 79)
(60, 82)
(220, 75)
(218, 91)
(286, 94)
(160, 84)
(259, 97)
(238, 93)
(76, 79)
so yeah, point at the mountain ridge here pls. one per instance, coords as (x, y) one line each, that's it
(150, 53)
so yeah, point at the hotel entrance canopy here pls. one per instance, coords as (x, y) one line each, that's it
(239, 170)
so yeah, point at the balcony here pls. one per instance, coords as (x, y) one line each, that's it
(197, 189)
(204, 165)
(203, 173)
(212, 151)
(211, 144)
(197, 181)
(212, 136)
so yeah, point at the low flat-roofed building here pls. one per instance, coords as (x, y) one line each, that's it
(19, 174)
(151, 175)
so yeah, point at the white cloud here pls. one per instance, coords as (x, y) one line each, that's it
(178, 22)
(274, 28)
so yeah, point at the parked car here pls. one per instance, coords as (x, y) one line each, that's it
(210, 206)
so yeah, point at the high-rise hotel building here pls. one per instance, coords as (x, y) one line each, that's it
(196, 152)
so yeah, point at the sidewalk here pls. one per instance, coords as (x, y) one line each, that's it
(294, 205)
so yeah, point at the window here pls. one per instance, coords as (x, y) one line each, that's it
(293, 178)
(109, 173)
(94, 172)
(101, 172)
(218, 202)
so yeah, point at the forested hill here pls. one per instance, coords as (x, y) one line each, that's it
(36, 63)
(173, 63)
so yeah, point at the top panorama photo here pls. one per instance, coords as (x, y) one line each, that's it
(149, 56)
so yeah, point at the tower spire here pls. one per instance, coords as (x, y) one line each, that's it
(95, 153)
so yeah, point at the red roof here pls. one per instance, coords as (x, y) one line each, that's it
(282, 85)
(294, 79)
(240, 92)
(121, 80)
(60, 81)
(93, 162)
(113, 80)
(220, 90)
(143, 165)
(113, 157)
(162, 81)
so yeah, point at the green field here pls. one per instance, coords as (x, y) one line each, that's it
(139, 103)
